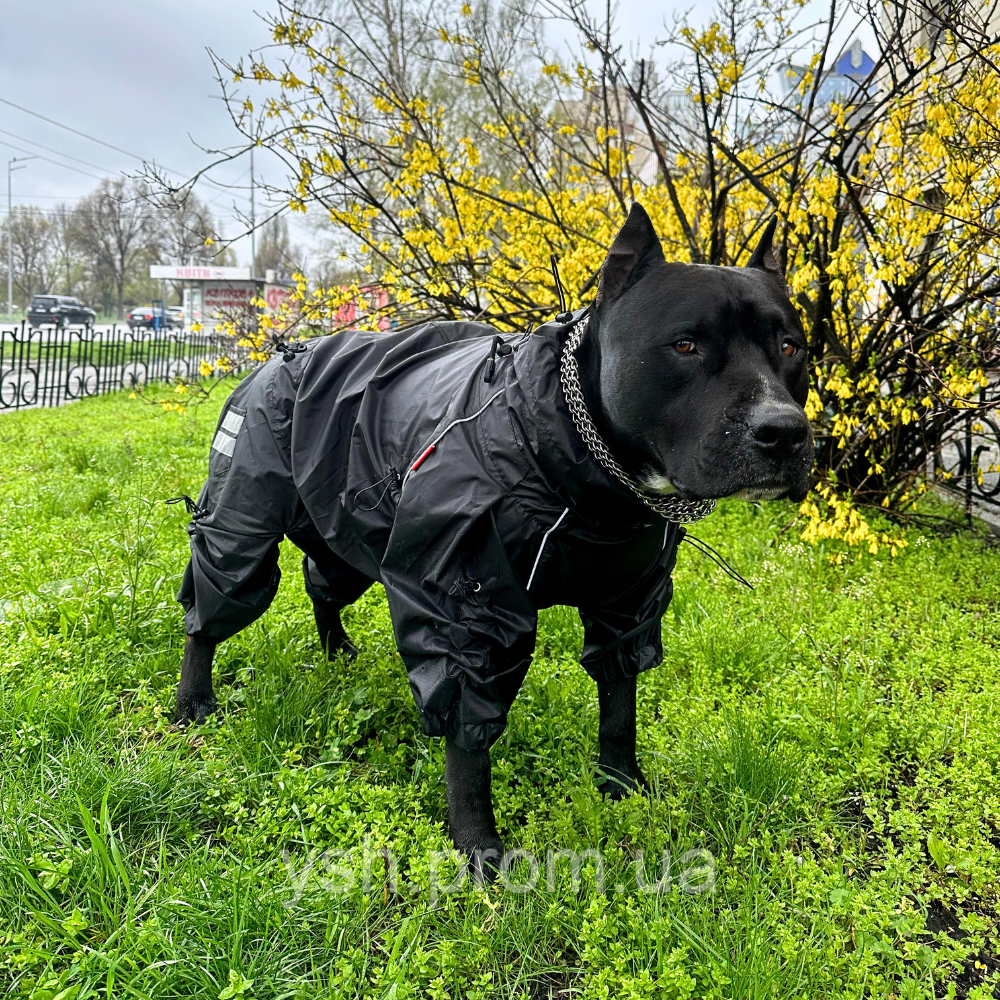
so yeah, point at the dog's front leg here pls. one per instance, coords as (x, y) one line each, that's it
(195, 696)
(617, 735)
(470, 807)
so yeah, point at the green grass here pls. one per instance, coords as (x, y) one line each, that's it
(831, 737)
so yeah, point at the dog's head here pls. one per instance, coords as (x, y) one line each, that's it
(697, 374)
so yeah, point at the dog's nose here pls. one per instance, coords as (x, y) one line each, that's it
(776, 428)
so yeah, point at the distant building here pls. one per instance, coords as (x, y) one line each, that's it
(929, 24)
(588, 114)
(842, 82)
(372, 301)
(211, 293)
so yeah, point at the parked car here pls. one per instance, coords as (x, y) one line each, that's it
(175, 317)
(58, 310)
(144, 318)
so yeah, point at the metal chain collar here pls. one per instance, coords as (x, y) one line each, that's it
(673, 508)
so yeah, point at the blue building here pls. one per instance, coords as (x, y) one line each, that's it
(841, 82)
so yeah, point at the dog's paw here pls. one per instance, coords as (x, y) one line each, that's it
(348, 650)
(620, 783)
(485, 858)
(484, 864)
(337, 644)
(195, 708)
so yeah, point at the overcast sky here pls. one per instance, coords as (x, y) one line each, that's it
(137, 75)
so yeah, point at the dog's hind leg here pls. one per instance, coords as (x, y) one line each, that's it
(195, 695)
(332, 636)
(331, 585)
(617, 735)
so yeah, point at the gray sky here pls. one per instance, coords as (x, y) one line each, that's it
(137, 75)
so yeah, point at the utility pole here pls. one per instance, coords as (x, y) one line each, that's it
(253, 189)
(10, 233)
(253, 205)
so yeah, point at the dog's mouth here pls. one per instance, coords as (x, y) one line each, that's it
(767, 489)
(760, 493)
(737, 469)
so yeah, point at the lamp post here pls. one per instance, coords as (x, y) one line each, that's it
(253, 205)
(10, 233)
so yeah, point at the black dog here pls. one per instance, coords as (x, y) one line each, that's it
(480, 480)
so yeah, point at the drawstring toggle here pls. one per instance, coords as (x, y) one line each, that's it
(499, 347)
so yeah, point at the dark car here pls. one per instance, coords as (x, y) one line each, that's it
(58, 310)
(152, 317)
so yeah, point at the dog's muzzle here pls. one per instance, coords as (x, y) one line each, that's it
(778, 431)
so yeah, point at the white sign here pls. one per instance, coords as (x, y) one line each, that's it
(226, 298)
(191, 272)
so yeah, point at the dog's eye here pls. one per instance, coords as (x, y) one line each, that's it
(683, 346)
(789, 349)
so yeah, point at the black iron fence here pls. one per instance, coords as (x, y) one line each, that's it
(51, 366)
(971, 459)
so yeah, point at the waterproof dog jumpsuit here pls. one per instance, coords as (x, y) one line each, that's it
(388, 457)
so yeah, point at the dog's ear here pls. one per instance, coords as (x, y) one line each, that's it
(763, 258)
(635, 246)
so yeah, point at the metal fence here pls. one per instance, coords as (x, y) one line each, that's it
(51, 366)
(971, 460)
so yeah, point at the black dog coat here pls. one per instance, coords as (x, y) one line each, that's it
(388, 457)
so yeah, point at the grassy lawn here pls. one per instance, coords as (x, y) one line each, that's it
(832, 738)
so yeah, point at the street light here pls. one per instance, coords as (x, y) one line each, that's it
(10, 234)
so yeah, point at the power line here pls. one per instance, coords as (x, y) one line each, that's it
(53, 212)
(38, 156)
(76, 131)
(63, 197)
(92, 138)
(49, 212)
(49, 149)
(73, 197)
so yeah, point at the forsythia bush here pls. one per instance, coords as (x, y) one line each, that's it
(461, 167)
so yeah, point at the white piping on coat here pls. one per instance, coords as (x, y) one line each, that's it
(541, 548)
(430, 447)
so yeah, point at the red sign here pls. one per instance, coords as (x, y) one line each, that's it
(372, 299)
(275, 296)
